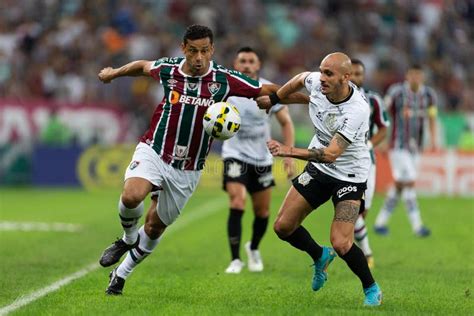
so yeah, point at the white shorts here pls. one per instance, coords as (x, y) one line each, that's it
(369, 193)
(176, 186)
(404, 165)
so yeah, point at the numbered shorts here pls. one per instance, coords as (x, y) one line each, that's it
(254, 178)
(369, 193)
(173, 187)
(404, 165)
(317, 188)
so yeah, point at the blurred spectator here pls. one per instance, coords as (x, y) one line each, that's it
(54, 49)
(55, 132)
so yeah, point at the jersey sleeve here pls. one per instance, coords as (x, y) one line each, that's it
(380, 114)
(353, 124)
(312, 81)
(242, 86)
(156, 67)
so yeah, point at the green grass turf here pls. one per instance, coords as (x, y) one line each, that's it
(184, 276)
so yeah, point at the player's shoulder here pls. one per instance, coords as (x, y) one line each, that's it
(374, 97)
(168, 61)
(396, 88)
(358, 102)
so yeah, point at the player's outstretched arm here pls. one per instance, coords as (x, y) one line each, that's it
(135, 68)
(328, 154)
(287, 94)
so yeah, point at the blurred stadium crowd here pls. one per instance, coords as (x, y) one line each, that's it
(54, 49)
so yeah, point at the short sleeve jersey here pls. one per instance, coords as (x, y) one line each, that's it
(176, 131)
(350, 119)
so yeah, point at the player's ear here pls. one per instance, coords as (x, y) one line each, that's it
(212, 49)
(183, 47)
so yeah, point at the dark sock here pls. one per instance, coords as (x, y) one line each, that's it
(259, 228)
(234, 231)
(302, 240)
(357, 262)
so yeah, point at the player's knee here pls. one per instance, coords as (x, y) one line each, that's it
(153, 230)
(283, 229)
(341, 244)
(237, 202)
(131, 198)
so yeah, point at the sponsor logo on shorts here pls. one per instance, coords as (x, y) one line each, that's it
(346, 190)
(234, 170)
(304, 179)
(266, 179)
(134, 164)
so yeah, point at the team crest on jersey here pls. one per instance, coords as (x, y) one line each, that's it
(304, 178)
(191, 86)
(213, 87)
(181, 152)
(134, 164)
(331, 122)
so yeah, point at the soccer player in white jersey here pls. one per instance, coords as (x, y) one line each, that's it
(248, 166)
(338, 167)
(410, 104)
(378, 124)
(170, 156)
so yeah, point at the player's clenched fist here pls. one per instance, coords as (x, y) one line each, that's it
(264, 102)
(277, 149)
(106, 75)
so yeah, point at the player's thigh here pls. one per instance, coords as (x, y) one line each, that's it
(404, 166)
(144, 172)
(261, 202)
(178, 186)
(237, 194)
(293, 211)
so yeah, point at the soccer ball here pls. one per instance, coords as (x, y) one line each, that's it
(221, 121)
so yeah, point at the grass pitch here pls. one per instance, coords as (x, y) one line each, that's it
(185, 275)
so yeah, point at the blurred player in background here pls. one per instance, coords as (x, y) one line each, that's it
(337, 169)
(170, 156)
(409, 104)
(248, 166)
(378, 124)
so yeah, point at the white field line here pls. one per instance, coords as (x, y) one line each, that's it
(196, 213)
(37, 226)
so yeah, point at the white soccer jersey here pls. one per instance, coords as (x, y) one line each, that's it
(249, 144)
(349, 118)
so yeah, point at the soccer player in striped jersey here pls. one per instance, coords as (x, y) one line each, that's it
(378, 124)
(171, 154)
(248, 166)
(409, 104)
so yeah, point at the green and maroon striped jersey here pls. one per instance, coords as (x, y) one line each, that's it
(176, 132)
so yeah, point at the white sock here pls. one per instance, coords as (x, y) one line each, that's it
(137, 254)
(361, 237)
(409, 197)
(129, 219)
(391, 202)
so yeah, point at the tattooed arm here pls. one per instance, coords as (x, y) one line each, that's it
(328, 154)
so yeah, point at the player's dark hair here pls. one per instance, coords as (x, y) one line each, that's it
(195, 32)
(246, 49)
(356, 61)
